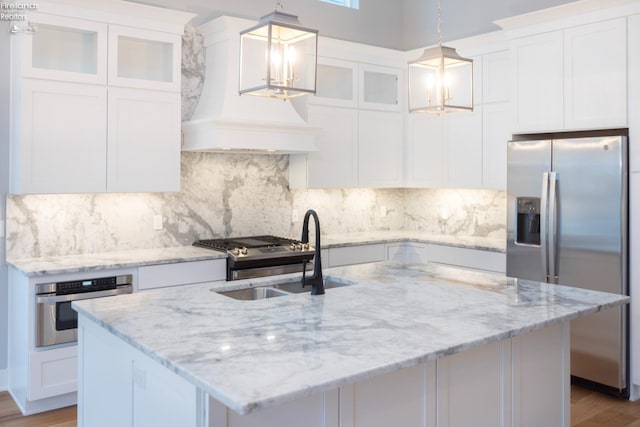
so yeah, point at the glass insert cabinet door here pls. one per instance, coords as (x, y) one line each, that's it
(64, 49)
(144, 59)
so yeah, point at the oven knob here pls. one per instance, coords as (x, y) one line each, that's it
(235, 251)
(292, 247)
(244, 251)
(305, 246)
(299, 246)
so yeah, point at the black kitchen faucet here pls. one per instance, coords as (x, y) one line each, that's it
(316, 282)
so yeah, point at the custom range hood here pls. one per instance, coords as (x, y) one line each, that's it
(225, 121)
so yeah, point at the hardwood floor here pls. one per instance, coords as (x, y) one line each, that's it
(588, 409)
(10, 416)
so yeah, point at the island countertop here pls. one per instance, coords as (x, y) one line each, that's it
(255, 354)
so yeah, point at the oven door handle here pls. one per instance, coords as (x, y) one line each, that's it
(50, 299)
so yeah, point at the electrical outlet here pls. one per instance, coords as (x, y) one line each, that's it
(157, 222)
(295, 217)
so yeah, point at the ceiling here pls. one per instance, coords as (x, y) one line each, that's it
(397, 24)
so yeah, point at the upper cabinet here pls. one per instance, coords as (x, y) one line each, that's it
(571, 79)
(358, 109)
(144, 58)
(65, 49)
(96, 105)
(465, 149)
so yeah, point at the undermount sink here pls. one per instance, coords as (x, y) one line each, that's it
(297, 288)
(250, 294)
(272, 291)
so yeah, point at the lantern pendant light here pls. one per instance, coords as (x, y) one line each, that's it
(440, 81)
(278, 57)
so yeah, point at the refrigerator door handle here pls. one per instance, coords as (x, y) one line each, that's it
(553, 232)
(543, 225)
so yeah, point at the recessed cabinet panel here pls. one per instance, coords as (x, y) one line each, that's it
(143, 141)
(465, 149)
(379, 87)
(144, 59)
(335, 164)
(595, 75)
(65, 49)
(496, 131)
(63, 134)
(336, 83)
(379, 149)
(538, 82)
(426, 151)
(495, 77)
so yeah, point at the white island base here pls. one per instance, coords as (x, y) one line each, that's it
(519, 381)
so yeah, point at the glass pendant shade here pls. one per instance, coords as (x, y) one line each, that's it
(278, 58)
(440, 81)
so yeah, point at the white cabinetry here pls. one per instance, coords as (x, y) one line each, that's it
(59, 140)
(488, 385)
(181, 273)
(357, 109)
(465, 150)
(73, 128)
(41, 378)
(446, 151)
(134, 382)
(571, 79)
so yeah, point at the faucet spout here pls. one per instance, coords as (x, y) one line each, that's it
(316, 281)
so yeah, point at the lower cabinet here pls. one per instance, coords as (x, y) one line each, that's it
(507, 382)
(357, 254)
(475, 259)
(120, 386)
(182, 273)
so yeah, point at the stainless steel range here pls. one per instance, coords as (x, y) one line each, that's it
(258, 256)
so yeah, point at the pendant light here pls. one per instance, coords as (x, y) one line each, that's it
(278, 57)
(440, 81)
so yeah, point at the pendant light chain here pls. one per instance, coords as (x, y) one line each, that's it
(439, 22)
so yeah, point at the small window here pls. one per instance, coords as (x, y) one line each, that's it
(354, 4)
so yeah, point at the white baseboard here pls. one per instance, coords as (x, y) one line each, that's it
(4, 379)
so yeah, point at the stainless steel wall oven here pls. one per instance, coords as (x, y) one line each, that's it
(56, 321)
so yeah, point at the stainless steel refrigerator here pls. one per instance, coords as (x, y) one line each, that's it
(567, 210)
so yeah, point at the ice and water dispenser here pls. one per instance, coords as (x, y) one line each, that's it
(528, 220)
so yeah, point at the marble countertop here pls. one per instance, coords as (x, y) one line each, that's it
(255, 354)
(102, 260)
(134, 258)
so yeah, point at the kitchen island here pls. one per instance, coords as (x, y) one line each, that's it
(402, 345)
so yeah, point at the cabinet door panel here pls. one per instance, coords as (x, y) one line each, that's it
(379, 149)
(335, 164)
(62, 146)
(426, 152)
(65, 49)
(465, 149)
(595, 75)
(537, 87)
(496, 131)
(634, 92)
(144, 141)
(495, 77)
(379, 87)
(144, 59)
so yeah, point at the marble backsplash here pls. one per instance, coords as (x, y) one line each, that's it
(233, 195)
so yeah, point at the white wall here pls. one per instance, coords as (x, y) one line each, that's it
(4, 188)
(395, 24)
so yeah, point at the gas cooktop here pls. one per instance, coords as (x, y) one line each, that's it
(258, 247)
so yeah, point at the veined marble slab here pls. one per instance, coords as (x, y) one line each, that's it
(122, 259)
(372, 237)
(255, 354)
(40, 266)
